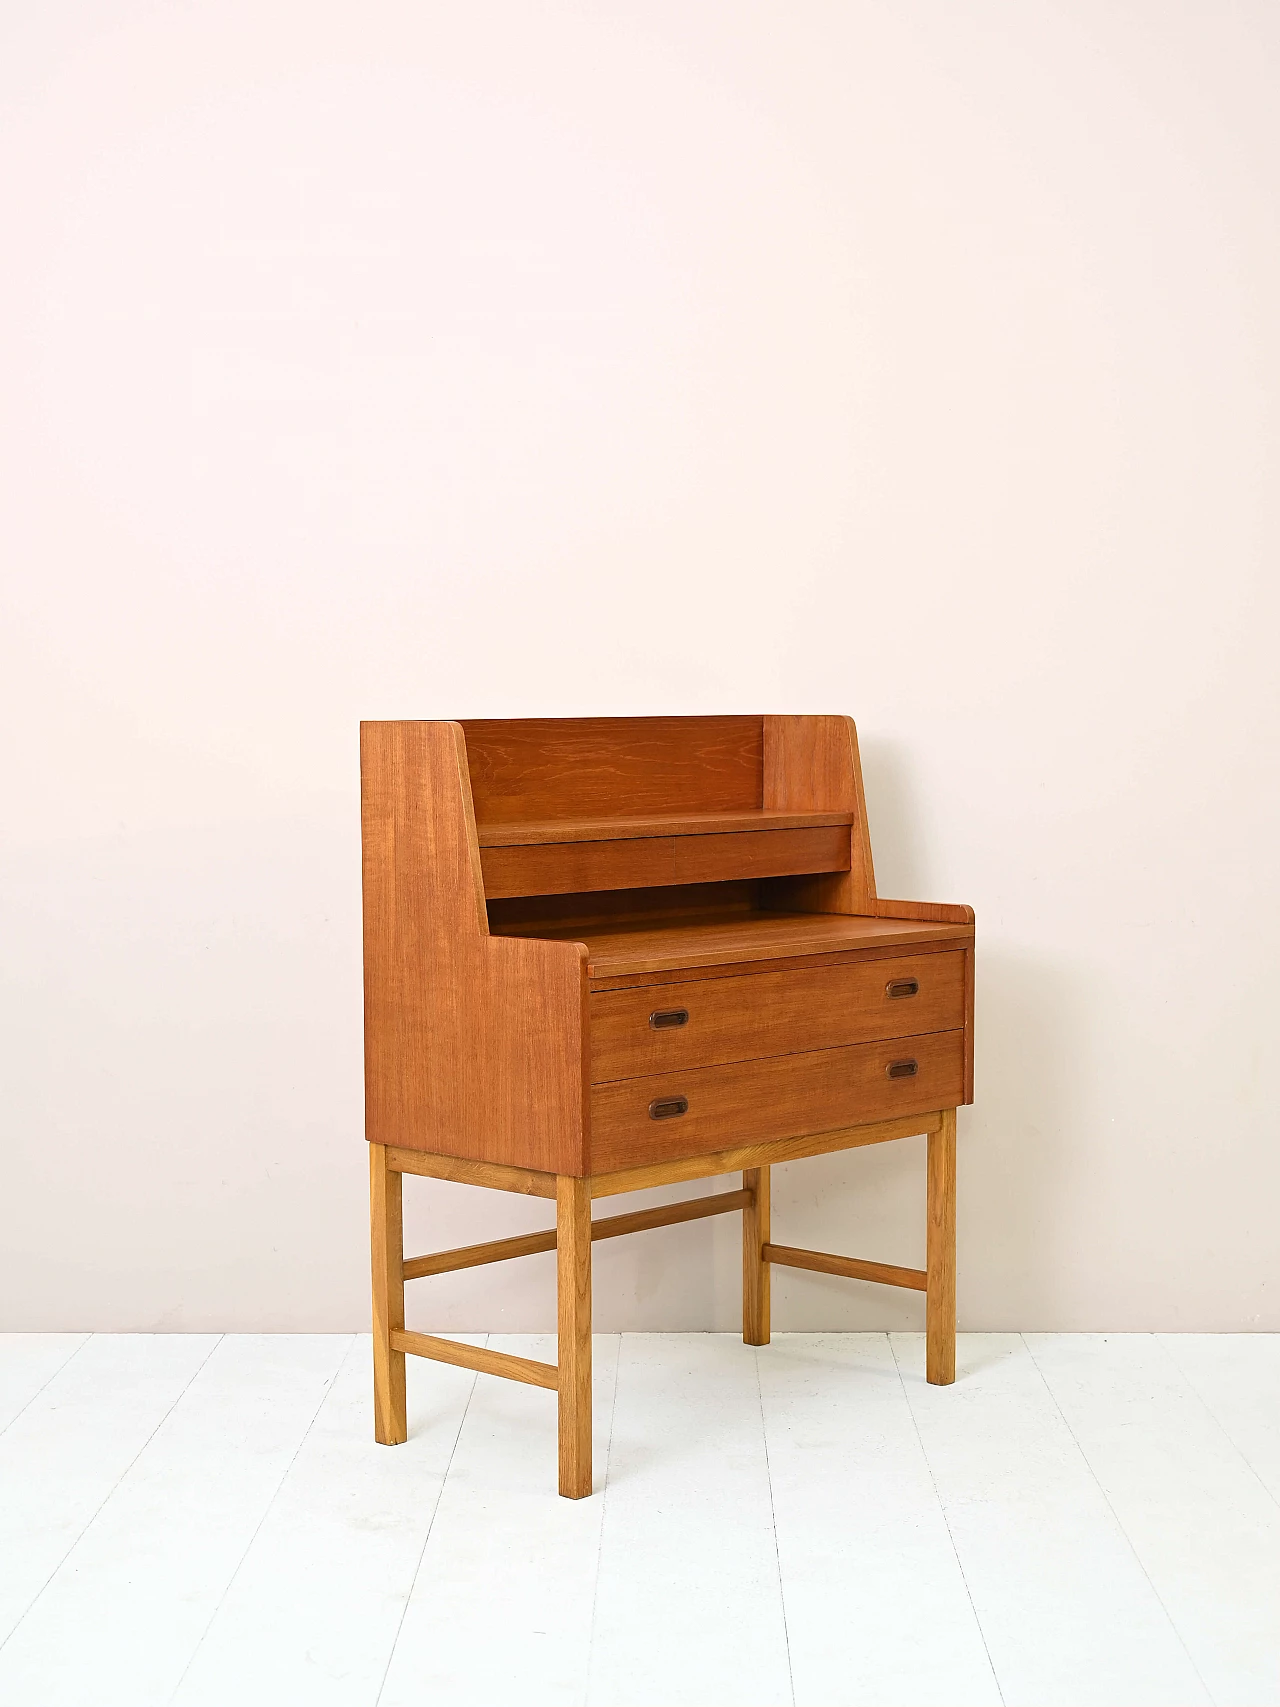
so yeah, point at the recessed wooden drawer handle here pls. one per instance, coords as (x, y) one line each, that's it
(896, 988)
(667, 1108)
(665, 1018)
(903, 1069)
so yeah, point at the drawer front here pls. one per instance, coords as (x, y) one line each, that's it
(702, 1109)
(636, 1032)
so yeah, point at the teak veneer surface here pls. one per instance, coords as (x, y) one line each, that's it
(478, 1009)
(778, 1097)
(640, 946)
(633, 862)
(745, 969)
(535, 889)
(774, 1013)
(528, 915)
(536, 768)
(474, 1044)
(746, 1157)
(667, 824)
(811, 764)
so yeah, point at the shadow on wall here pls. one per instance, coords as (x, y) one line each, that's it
(1033, 1035)
(1035, 1039)
(1015, 1165)
(898, 832)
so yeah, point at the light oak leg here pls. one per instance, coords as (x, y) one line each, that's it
(940, 1294)
(755, 1270)
(386, 1239)
(573, 1287)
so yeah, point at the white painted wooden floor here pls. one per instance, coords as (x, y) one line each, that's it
(1081, 1519)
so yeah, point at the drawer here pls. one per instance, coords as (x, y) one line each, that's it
(633, 1032)
(783, 1096)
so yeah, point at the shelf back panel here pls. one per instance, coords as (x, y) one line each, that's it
(539, 914)
(528, 769)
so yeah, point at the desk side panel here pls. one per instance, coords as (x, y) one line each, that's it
(474, 1045)
(811, 764)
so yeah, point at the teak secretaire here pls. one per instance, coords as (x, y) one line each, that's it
(608, 953)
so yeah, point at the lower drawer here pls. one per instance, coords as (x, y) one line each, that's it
(634, 1121)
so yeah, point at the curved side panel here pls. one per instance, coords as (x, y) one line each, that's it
(474, 1045)
(811, 764)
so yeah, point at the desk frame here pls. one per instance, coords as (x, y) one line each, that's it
(570, 1376)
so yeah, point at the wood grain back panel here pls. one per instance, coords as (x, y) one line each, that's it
(613, 767)
(474, 1045)
(541, 914)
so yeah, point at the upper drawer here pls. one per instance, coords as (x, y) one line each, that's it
(637, 1032)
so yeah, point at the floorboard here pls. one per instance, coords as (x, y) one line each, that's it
(689, 1603)
(501, 1607)
(1081, 1519)
(867, 1562)
(1068, 1611)
(1237, 1378)
(63, 1456)
(145, 1577)
(28, 1362)
(313, 1613)
(1197, 1516)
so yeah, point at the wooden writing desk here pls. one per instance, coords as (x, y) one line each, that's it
(608, 953)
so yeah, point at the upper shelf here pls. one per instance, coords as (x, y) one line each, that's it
(632, 829)
(565, 856)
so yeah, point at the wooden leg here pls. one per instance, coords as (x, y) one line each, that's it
(755, 1270)
(386, 1239)
(573, 1285)
(940, 1292)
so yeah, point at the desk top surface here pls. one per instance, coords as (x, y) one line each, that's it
(618, 949)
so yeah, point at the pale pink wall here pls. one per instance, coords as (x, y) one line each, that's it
(396, 360)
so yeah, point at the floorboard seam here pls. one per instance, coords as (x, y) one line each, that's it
(266, 1510)
(604, 1500)
(417, 1569)
(97, 1511)
(1084, 1458)
(933, 1482)
(1217, 1421)
(773, 1520)
(75, 1350)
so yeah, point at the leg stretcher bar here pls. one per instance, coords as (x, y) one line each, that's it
(538, 1374)
(575, 1232)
